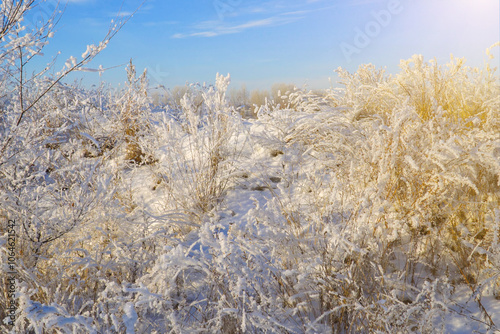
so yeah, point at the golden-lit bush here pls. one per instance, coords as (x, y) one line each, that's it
(461, 91)
(429, 159)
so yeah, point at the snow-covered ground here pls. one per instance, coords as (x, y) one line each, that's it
(374, 209)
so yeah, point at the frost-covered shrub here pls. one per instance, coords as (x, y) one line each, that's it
(464, 93)
(133, 107)
(199, 145)
(426, 178)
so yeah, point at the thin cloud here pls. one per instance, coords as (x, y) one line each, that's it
(121, 14)
(219, 28)
(298, 12)
(278, 12)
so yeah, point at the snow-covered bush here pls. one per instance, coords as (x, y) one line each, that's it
(199, 145)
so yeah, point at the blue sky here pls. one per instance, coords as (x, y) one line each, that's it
(263, 42)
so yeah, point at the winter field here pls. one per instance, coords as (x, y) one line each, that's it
(372, 208)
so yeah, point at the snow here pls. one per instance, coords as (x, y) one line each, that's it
(129, 317)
